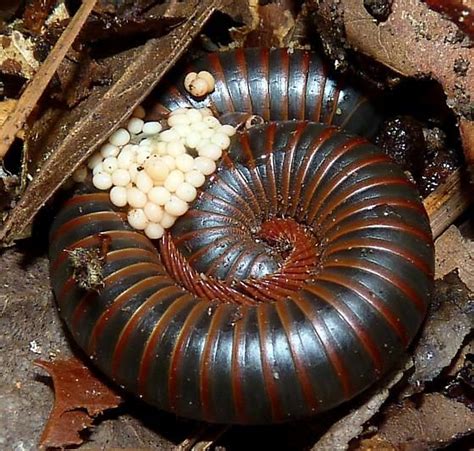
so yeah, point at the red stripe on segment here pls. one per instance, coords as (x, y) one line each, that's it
(265, 65)
(109, 281)
(220, 81)
(88, 198)
(369, 204)
(353, 322)
(270, 167)
(285, 76)
(242, 202)
(332, 184)
(381, 245)
(297, 352)
(246, 150)
(304, 70)
(299, 178)
(241, 66)
(379, 271)
(379, 223)
(287, 171)
(250, 195)
(174, 374)
(268, 377)
(370, 298)
(355, 189)
(207, 364)
(79, 221)
(238, 362)
(132, 252)
(96, 240)
(150, 348)
(65, 290)
(118, 303)
(322, 332)
(136, 317)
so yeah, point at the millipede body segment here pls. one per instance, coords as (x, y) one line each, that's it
(298, 277)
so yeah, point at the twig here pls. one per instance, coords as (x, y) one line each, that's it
(445, 204)
(35, 89)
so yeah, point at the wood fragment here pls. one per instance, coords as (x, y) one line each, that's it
(445, 204)
(35, 89)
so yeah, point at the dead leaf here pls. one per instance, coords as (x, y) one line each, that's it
(79, 398)
(453, 251)
(271, 26)
(36, 13)
(434, 422)
(6, 107)
(409, 42)
(347, 428)
(461, 12)
(75, 134)
(461, 387)
(458, 363)
(17, 55)
(449, 321)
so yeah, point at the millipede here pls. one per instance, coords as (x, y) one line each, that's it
(297, 278)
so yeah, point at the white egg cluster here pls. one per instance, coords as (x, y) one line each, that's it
(199, 84)
(156, 172)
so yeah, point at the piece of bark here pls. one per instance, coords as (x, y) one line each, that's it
(75, 134)
(447, 202)
(79, 397)
(434, 422)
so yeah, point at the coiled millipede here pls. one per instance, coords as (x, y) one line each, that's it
(298, 277)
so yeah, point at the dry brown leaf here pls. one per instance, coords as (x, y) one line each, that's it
(461, 12)
(75, 134)
(271, 26)
(17, 55)
(453, 251)
(36, 13)
(435, 422)
(6, 107)
(410, 42)
(449, 321)
(343, 431)
(79, 398)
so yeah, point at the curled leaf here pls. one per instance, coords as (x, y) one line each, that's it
(79, 398)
